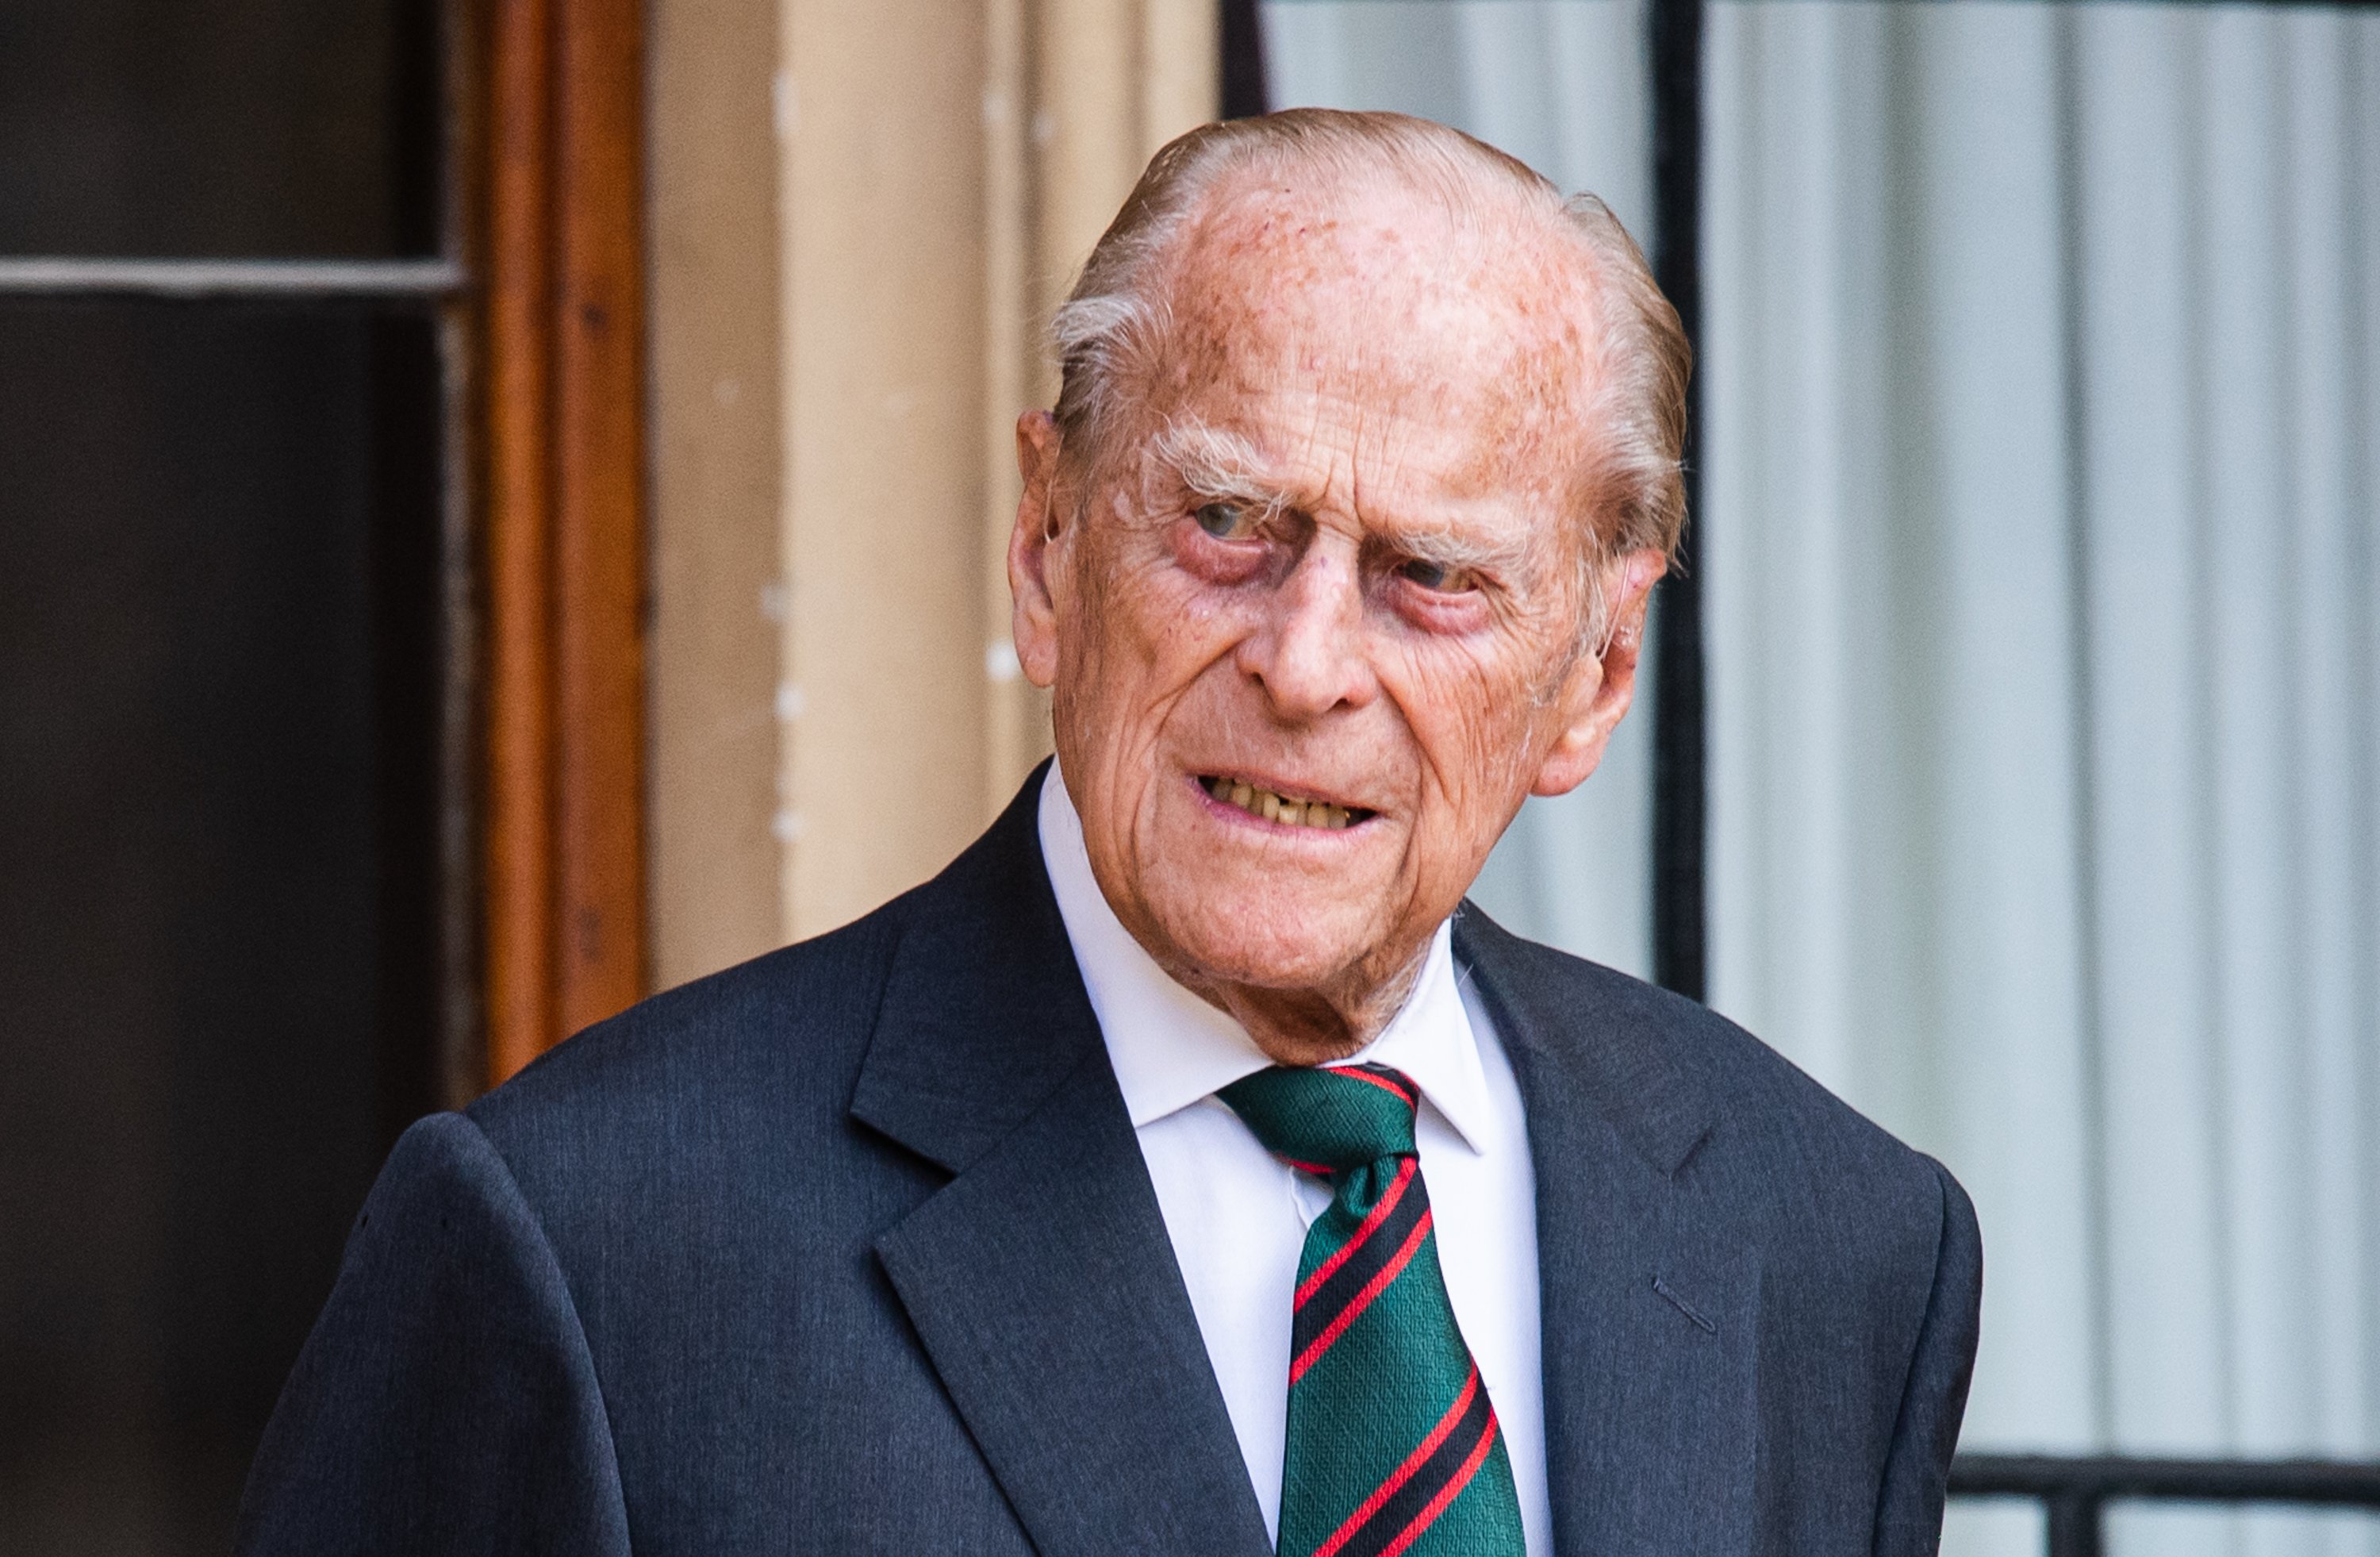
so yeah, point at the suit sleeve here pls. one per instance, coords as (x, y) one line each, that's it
(1917, 1471)
(446, 1402)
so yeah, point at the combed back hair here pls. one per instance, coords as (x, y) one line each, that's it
(1110, 330)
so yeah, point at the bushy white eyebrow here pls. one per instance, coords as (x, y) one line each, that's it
(1223, 466)
(1215, 464)
(1506, 560)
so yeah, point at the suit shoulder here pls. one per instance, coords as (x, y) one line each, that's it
(1768, 1122)
(791, 1025)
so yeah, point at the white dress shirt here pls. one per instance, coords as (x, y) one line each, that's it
(1238, 1215)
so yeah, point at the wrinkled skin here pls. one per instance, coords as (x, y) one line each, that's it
(1384, 611)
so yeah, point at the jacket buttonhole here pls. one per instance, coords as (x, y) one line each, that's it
(1683, 1306)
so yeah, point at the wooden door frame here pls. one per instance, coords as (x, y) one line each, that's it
(562, 891)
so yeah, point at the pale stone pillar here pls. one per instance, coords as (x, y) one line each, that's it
(713, 866)
(1081, 99)
(882, 214)
(835, 709)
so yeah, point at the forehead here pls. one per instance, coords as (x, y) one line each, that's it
(1371, 314)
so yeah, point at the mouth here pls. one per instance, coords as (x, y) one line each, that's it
(1286, 811)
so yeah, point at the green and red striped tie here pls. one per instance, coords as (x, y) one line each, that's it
(1394, 1447)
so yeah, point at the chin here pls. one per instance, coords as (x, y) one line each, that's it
(1283, 949)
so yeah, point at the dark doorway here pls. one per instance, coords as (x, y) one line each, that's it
(219, 684)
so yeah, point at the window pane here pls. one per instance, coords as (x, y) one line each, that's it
(2040, 570)
(2200, 1530)
(2044, 622)
(215, 681)
(175, 127)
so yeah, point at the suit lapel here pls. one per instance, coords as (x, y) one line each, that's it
(1649, 1306)
(1041, 1279)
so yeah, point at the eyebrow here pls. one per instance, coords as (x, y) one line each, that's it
(1509, 559)
(1213, 463)
(1216, 464)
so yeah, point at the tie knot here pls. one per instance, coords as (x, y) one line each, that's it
(1327, 1119)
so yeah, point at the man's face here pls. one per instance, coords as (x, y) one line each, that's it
(1314, 618)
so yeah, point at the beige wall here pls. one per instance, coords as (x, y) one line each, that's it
(861, 214)
(716, 600)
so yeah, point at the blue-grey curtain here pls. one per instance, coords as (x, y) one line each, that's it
(2042, 570)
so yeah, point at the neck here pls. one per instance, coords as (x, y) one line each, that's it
(1313, 1027)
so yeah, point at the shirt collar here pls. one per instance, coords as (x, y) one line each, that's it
(1170, 1049)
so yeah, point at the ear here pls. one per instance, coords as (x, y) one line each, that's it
(1037, 532)
(1601, 688)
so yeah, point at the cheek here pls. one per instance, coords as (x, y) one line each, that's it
(1144, 630)
(1475, 711)
(1192, 596)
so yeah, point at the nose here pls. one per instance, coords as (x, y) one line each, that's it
(1309, 653)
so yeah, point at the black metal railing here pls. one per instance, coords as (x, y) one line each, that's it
(2076, 1490)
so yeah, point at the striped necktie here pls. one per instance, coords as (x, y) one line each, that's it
(1394, 1446)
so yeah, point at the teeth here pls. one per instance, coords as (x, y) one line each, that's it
(1317, 814)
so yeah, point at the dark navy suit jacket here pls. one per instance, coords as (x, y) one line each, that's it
(852, 1250)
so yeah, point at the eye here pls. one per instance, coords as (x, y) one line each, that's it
(1436, 576)
(1225, 521)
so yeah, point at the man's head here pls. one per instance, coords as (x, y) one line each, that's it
(1365, 458)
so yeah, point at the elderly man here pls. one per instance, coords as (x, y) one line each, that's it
(1186, 1169)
